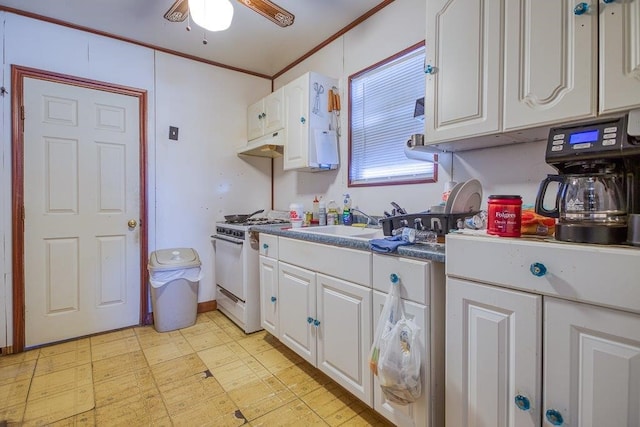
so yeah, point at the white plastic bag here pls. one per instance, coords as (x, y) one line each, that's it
(395, 353)
(399, 363)
(391, 313)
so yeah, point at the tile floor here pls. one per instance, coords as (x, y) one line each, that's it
(210, 374)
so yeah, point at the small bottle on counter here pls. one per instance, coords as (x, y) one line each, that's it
(332, 213)
(322, 213)
(316, 208)
(347, 216)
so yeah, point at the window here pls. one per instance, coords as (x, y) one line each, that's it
(384, 100)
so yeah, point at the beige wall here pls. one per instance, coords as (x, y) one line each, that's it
(190, 181)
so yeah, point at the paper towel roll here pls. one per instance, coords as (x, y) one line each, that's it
(421, 152)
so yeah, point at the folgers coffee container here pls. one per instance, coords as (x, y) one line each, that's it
(504, 215)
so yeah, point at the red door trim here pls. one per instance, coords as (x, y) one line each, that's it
(18, 74)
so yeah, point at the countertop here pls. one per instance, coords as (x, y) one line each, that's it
(422, 251)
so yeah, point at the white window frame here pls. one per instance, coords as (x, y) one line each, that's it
(378, 135)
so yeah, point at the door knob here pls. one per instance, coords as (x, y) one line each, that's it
(132, 223)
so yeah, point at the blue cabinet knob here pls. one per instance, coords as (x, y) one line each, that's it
(316, 323)
(608, 1)
(265, 246)
(303, 120)
(309, 320)
(394, 278)
(522, 402)
(581, 8)
(429, 69)
(274, 299)
(554, 417)
(538, 269)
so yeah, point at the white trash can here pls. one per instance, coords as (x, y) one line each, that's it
(174, 275)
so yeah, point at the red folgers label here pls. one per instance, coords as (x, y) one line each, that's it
(504, 216)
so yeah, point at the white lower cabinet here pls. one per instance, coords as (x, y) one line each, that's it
(269, 294)
(591, 365)
(268, 260)
(327, 321)
(493, 355)
(297, 290)
(414, 414)
(344, 334)
(541, 333)
(422, 292)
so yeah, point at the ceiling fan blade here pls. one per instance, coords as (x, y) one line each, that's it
(271, 11)
(178, 11)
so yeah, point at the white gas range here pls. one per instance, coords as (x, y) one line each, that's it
(237, 270)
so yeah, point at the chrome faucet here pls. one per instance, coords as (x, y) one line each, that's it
(370, 220)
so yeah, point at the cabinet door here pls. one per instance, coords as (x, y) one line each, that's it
(493, 339)
(296, 121)
(550, 63)
(297, 310)
(619, 55)
(463, 93)
(274, 111)
(417, 413)
(344, 334)
(591, 364)
(255, 128)
(269, 295)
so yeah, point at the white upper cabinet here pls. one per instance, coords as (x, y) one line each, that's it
(463, 65)
(306, 110)
(521, 66)
(266, 115)
(619, 38)
(550, 63)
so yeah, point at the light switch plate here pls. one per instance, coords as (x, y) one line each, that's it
(173, 133)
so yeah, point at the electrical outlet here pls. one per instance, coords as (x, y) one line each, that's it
(173, 133)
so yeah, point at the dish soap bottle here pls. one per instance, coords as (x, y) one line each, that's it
(332, 213)
(347, 216)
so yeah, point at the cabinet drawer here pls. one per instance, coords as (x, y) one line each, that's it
(415, 276)
(602, 275)
(268, 245)
(348, 264)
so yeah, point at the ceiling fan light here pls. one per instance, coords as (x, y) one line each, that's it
(212, 15)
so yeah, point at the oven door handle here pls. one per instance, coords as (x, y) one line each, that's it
(227, 239)
(228, 294)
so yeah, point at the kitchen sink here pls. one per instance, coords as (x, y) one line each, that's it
(343, 231)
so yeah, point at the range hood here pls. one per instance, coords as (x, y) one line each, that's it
(271, 145)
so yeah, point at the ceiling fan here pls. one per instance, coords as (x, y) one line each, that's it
(180, 9)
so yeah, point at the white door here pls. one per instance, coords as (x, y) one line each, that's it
(344, 334)
(550, 63)
(269, 294)
(297, 301)
(81, 187)
(493, 360)
(463, 94)
(591, 365)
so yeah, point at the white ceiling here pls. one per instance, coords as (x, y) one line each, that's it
(253, 43)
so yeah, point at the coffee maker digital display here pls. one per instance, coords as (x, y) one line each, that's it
(587, 136)
(598, 180)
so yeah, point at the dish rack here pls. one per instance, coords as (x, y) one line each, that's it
(440, 223)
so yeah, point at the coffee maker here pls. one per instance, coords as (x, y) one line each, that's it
(598, 166)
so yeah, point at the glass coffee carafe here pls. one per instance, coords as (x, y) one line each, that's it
(586, 205)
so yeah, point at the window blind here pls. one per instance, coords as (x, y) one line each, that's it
(383, 100)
